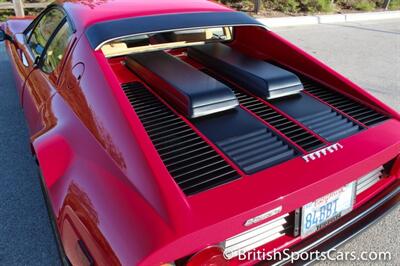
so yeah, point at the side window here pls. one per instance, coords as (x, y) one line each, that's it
(57, 48)
(44, 29)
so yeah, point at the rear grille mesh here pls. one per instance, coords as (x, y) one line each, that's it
(297, 134)
(194, 164)
(258, 236)
(352, 108)
(369, 180)
(291, 130)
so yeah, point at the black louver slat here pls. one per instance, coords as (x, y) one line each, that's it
(290, 129)
(193, 164)
(352, 108)
(257, 150)
(330, 125)
(297, 134)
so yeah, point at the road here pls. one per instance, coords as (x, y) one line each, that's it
(26, 237)
(367, 53)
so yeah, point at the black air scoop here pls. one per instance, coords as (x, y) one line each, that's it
(188, 89)
(259, 77)
(247, 141)
(317, 116)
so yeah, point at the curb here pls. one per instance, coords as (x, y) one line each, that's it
(326, 19)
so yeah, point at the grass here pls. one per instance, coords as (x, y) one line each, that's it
(365, 5)
(394, 5)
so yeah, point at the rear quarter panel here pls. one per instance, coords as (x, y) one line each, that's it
(99, 182)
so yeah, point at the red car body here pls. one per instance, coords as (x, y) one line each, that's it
(115, 202)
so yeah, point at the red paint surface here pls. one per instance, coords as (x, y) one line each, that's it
(86, 13)
(109, 187)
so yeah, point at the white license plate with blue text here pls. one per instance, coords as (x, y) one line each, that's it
(327, 209)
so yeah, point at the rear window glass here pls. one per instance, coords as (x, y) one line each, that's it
(166, 40)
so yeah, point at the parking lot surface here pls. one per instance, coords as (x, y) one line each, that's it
(367, 53)
(26, 237)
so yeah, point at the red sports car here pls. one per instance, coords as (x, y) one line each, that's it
(185, 133)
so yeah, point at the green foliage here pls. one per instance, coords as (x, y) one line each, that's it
(314, 6)
(306, 6)
(364, 5)
(394, 5)
(286, 6)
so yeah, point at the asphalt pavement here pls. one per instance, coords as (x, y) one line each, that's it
(26, 236)
(367, 52)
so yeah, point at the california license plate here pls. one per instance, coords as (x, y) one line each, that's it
(327, 209)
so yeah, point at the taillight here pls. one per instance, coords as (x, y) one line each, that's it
(211, 256)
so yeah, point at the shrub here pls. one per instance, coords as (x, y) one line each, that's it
(394, 5)
(294, 6)
(289, 6)
(365, 5)
(313, 6)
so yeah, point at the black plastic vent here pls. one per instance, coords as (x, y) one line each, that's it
(330, 125)
(352, 108)
(257, 150)
(194, 164)
(290, 129)
(297, 134)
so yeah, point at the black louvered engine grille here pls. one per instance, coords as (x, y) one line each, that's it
(290, 129)
(257, 150)
(330, 125)
(350, 107)
(191, 161)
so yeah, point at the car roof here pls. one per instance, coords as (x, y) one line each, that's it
(85, 13)
(106, 31)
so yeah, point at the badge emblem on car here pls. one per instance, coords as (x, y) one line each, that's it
(263, 216)
(322, 152)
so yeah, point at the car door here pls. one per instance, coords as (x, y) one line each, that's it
(47, 42)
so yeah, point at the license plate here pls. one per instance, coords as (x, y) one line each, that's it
(327, 209)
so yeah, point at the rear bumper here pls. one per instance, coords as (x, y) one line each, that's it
(349, 226)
